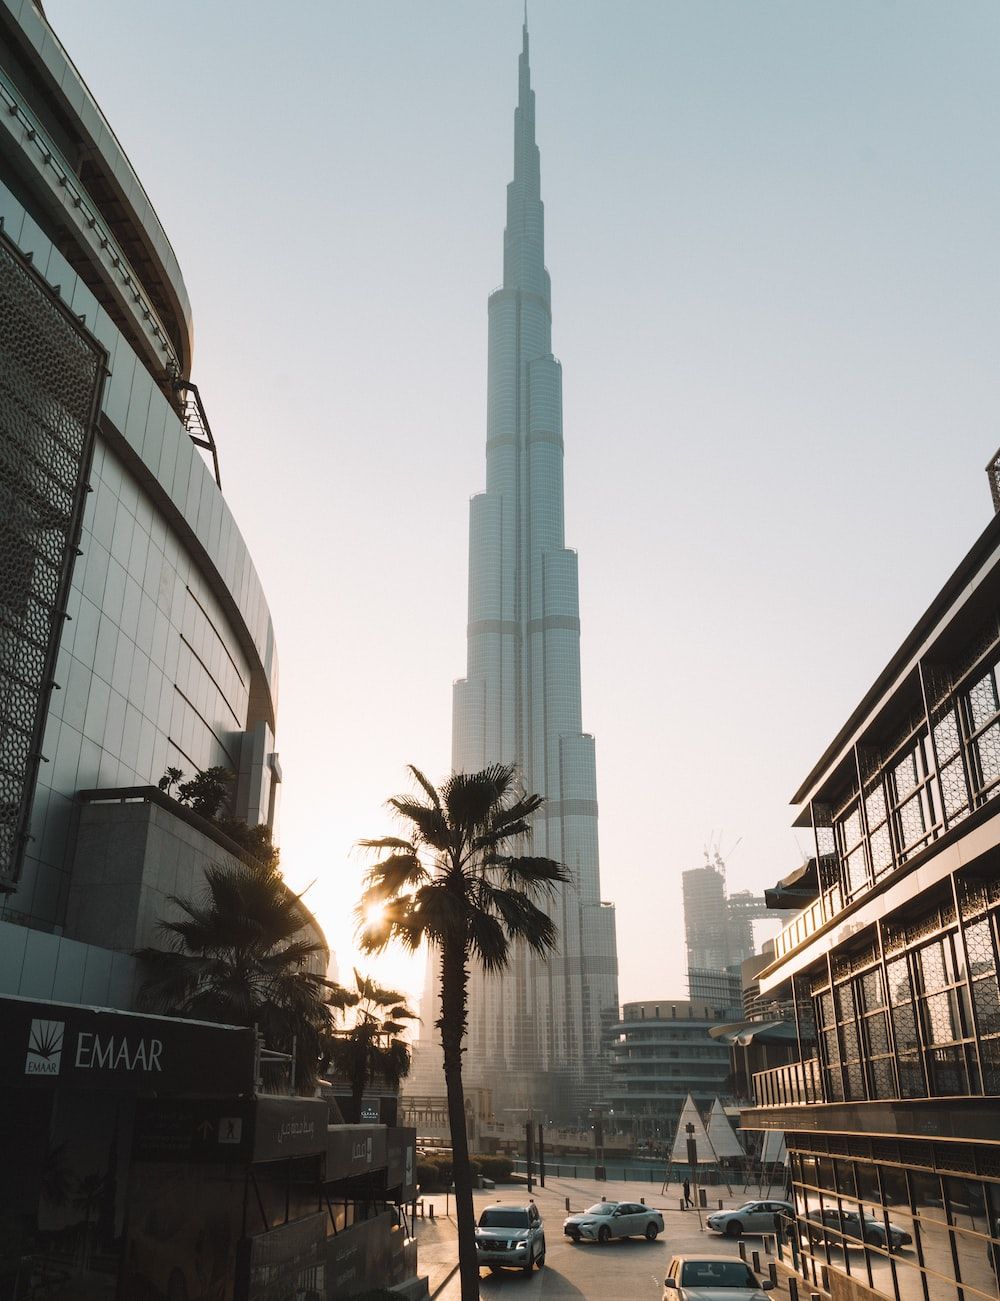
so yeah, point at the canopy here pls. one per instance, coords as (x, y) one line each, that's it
(774, 1151)
(721, 1134)
(691, 1116)
(745, 1033)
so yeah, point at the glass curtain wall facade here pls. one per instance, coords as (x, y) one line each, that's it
(164, 652)
(891, 1112)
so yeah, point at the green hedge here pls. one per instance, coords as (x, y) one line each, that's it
(435, 1172)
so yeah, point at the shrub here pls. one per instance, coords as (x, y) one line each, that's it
(497, 1168)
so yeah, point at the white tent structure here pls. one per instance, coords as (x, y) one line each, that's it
(774, 1151)
(722, 1136)
(691, 1116)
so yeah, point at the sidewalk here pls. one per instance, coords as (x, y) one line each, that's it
(437, 1249)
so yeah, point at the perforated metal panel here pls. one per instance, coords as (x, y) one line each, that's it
(51, 374)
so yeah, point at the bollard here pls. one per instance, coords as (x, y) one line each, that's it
(720, 1203)
(772, 1272)
(702, 1199)
(793, 1288)
(680, 1204)
(643, 1200)
(430, 1211)
(756, 1262)
(768, 1240)
(567, 1205)
(815, 1296)
(742, 1250)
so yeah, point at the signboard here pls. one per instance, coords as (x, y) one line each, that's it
(355, 1150)
(289, 1127)
(286, 1262)
(184, 1130)
(45, 1044)
(401, 1163)
(371, 1254)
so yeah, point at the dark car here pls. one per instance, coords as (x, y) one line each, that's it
(833, 1226)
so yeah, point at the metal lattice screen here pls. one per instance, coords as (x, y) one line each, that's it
(51, 374)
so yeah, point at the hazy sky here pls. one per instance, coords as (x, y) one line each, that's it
(772, 230)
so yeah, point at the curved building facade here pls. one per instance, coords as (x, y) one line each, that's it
(134, 633)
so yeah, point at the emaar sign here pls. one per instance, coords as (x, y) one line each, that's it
(59, 1043)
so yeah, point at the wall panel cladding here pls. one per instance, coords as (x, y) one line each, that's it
(51, 376)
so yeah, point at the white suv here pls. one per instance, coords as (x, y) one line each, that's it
(510, 1237)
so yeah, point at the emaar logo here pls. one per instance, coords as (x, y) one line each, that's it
(45, 1044)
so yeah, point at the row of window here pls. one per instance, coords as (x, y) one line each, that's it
(922, 1023)
(930, 783)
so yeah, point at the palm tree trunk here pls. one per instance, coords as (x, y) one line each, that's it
(454, 981)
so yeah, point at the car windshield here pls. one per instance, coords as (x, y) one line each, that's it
(716, 1273)
(501, 1219)
(602, 1208)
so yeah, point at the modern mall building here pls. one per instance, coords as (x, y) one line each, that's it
(134, 636)
(892, 1109)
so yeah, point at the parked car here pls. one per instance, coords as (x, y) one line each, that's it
(751, 1217)
(713, 1278)
(607, 1220)
(830, 1225)
(510, 1237)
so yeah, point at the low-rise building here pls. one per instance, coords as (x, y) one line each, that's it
(661, 1052)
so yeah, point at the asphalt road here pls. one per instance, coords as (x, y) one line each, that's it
(630, 1270)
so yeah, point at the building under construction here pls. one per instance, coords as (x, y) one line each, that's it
(718, 928)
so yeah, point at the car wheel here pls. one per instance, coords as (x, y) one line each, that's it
(734, 1229)
(604, 1234)
(651, 1231)
(540, 1262)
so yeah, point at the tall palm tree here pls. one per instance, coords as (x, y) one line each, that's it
(369, 1046)
(240, 955)
(455, 884)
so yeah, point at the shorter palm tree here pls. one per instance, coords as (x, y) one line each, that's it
(240, 955)
(368, 1047)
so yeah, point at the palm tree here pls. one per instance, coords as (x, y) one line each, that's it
(454, 884)
(239, 955)
(369, 1047)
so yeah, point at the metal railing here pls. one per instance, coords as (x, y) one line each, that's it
(797, 1084)
(808, 921)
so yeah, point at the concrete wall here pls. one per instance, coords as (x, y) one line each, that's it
(130, 858)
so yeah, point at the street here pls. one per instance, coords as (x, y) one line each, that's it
(632, 1268)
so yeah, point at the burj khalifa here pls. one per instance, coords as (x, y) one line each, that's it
(536, 1032)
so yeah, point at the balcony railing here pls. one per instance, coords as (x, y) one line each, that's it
(797, 1084)
(808, 922)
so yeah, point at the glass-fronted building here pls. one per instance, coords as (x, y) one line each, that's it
(134, 633)
(892, 1109)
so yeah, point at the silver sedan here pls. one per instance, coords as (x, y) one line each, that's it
(607, 1220)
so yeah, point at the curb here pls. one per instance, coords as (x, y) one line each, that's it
(445, 1281)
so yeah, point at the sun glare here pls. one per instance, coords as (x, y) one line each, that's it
(374, 916)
